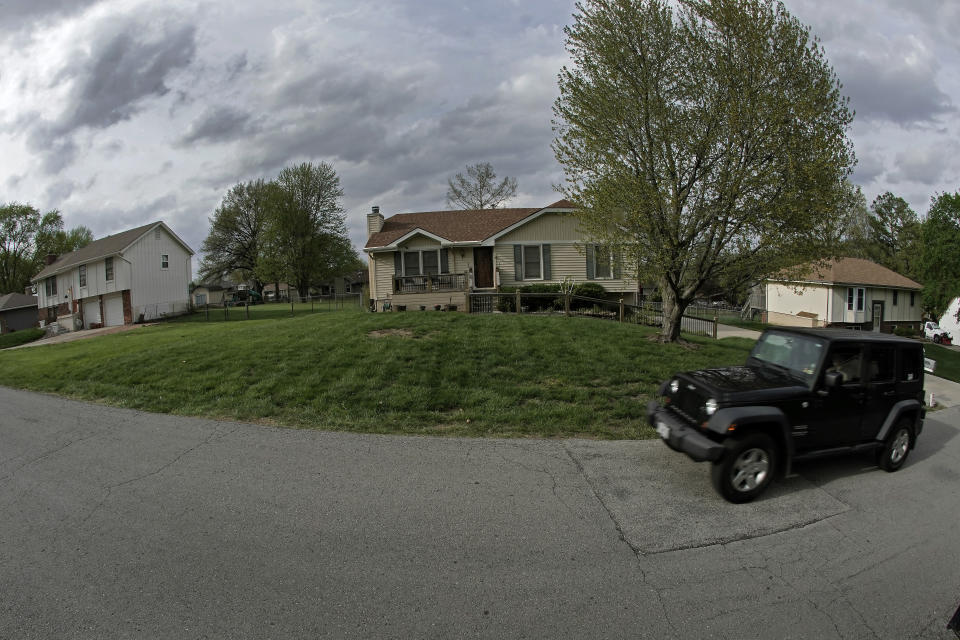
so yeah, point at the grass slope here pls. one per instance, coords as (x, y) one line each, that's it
(450, 373)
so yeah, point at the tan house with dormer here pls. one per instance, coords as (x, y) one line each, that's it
(437, 257)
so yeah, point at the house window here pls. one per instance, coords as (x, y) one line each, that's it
(164, 261)
(201, 299)
(108, 268)
(911, 298)
(531, 263)
(895, 292)
(424, 263)
(83, 275)
(50, 286)
(602, 262)
(860, 293)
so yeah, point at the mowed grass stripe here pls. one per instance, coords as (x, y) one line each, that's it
(427, 373)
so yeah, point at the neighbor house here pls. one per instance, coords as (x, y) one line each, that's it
(437, 257)
(17, 311)
(136, 275)
(848, 292)
(211, 292)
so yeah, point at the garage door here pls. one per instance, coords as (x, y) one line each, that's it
(113, 310)
(91, 312)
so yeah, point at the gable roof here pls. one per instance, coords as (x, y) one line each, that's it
(859, 272)
(467, 225)
(104, 248)
(12, 301)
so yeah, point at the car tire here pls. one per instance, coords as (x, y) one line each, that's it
(937, 339)
(746, 469)
(896, 447)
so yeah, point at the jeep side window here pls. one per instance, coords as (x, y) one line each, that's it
(911, 363)
(880, 364)
(845, 359)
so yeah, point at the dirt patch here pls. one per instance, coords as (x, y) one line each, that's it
(397, 333)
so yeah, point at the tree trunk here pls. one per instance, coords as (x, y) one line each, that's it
(674, 307)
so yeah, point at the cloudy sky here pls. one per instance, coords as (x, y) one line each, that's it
(122, 112)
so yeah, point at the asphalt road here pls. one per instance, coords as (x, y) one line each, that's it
(121, 524)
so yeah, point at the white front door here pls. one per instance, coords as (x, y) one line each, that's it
(113, 310)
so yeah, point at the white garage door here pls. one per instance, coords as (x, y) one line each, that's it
(113, 310)
(91, 312)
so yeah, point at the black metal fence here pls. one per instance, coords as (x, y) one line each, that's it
(697, 320)
(294, 305)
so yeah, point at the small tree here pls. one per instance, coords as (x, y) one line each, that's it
(479, 189)
(704, 144)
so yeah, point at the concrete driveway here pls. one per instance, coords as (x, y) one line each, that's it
(83, 334)
(122, 524)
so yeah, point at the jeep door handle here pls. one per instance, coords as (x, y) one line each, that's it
(889, 393)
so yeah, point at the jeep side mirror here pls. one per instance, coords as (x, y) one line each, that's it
(832, 379)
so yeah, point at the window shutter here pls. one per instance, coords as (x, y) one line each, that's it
(518, 262)
(590, 266)
(398, 263)
(444, 261)
(617, 266)
(546, 261)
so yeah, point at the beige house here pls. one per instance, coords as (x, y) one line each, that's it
(438, 257)
(848, 292)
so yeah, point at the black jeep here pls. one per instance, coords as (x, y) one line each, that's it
(802, 393)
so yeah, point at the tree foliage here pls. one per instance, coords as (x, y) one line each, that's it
(894, 238)
(703, 143)
(26, 237)
(940, 257)
(236, 230)
(479, 189)
(306, 232)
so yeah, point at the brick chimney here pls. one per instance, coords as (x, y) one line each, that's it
(374, 221)
(51, 258)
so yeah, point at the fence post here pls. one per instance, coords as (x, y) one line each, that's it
(207, 306)
(715, 318)
(291, 306)
(518, 301)
(311, 303)
(246, 308)
(225, 316)
(566, 304)
(621, 309)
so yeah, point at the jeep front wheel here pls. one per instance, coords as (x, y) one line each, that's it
(746, 469)
(896, 447)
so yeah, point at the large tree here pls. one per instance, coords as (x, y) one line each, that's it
(305, 238)
(894, 235)
(940, 257)
(236, 232)
(479, 189)
(26, 237)
(703, 143)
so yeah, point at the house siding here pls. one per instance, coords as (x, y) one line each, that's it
(829, 302)
(18, 319)
(156, 291)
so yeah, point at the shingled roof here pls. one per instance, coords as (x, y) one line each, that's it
(102, 248)
(859, 272)
(12, 301)
(468, 225)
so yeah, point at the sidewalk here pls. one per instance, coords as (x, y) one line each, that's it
(946, 393)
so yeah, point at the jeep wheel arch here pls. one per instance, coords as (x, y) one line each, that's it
(745, 420)
(905, 409)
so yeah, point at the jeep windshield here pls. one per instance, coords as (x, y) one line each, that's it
(795, 355)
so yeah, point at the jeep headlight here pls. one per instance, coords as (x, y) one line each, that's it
(710, 407)
(674, 386)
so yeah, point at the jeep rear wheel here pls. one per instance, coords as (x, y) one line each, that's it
(895, 448)
(746, 469)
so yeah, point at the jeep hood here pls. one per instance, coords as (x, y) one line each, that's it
(743, 380)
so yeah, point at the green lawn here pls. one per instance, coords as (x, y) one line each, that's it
(413, 372)
(948, 361)
(20, 337)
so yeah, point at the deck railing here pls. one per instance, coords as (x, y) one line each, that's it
(430, 283)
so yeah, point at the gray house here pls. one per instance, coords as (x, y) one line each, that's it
(17, 311)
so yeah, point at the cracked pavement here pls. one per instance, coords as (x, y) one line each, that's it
(122, 524)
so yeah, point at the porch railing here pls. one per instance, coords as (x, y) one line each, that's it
(430, 283)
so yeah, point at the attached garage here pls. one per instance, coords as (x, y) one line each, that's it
(113, 310)
(91, 312)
